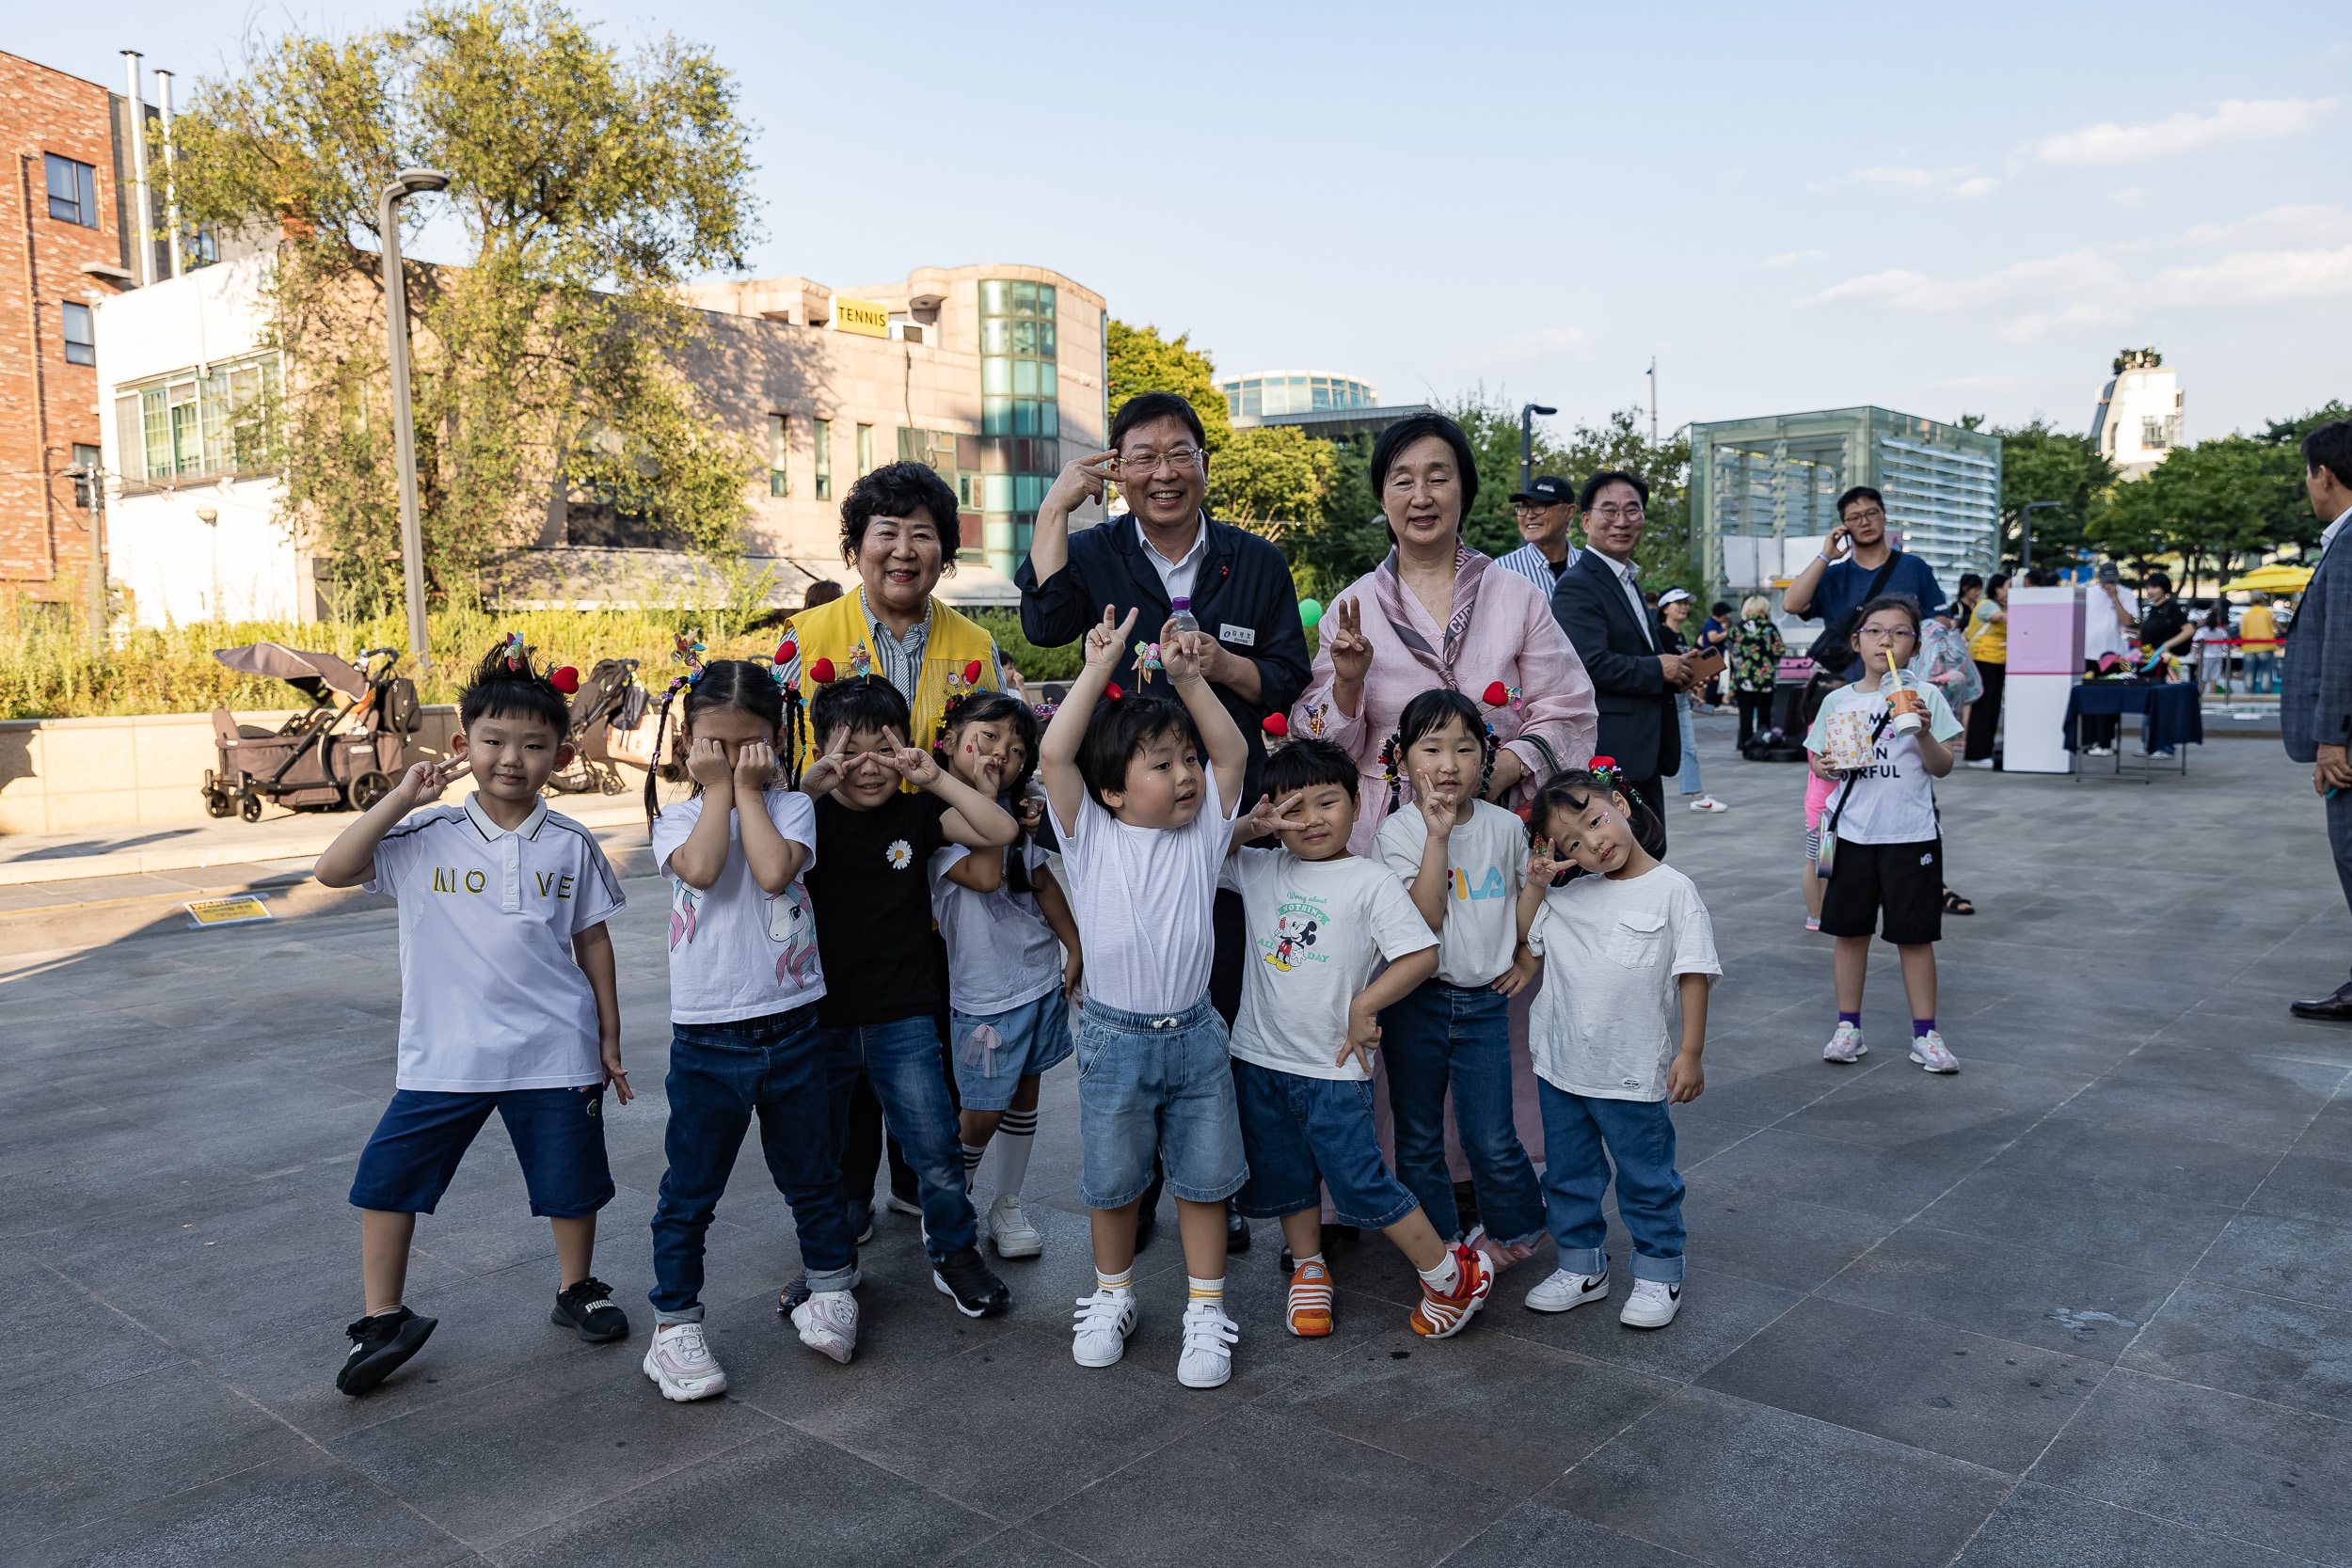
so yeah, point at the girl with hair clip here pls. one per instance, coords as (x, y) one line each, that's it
(1461, 857)
(1013, 958)
(1608, 1056)
(744, 982)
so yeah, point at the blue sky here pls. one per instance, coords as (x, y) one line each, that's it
(1938, 209)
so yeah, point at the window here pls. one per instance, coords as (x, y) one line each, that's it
(81, 341)
(779, 446)
(2152, 434)
(187, 427)
(1020, 412)
(824, 460)
(86, 459)
(864, 449)
(72, 191)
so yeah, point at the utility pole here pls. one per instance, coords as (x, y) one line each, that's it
(142, 207)
(407, 183)
(1527, 439)
(1653, 400)
(171, 194)
(2025, 542)
(91, 479)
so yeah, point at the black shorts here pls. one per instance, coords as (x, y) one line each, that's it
(1904, 880)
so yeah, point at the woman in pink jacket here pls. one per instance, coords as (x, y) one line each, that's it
(1438, 613)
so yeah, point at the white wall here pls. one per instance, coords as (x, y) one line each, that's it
(2140, 394)
(178, 567)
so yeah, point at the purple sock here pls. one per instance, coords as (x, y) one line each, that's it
(1922, 1028)
(1854, 1018)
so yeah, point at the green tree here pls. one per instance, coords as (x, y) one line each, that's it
(1665, 556)
(589, 187)
(2293, 524)
(1143, 361)
(1270, 474)
(2218, 503)
(2040, 464)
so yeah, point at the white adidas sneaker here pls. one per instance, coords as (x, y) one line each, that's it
(1105, 1320)
(1209, 1339)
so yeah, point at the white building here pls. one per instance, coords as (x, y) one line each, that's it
(180, 371)
(2139, 419)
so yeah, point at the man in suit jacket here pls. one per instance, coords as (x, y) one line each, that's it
(1635, 675)
(2315, 699)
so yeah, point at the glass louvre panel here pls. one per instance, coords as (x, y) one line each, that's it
(999, 492)
(1024, 338)
(1025, 416)
(1029, 492)
(1045, 301)
(1049, 419)
(995, 297)
(155, 427)
(996, 336)
(1023, 297)
(1024, 378)
(130, 440)
(188, 441)
(996, 416)
(995, 376)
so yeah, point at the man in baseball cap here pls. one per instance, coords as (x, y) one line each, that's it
(1546, 508)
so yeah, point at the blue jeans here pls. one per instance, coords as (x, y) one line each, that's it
(1439, 1036)
(1156, 1086)
(2262, 672)
(1304, 1135)
(901, 1059)
(558, 1135)
(1690, 745)
(1639, 1136)
(720, 1073)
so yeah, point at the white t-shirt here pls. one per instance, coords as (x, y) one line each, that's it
(736, 949)
(2102, 632)
(1488, 856)
(1893, 801)
(490, 996)
(1143, 899)
(1000, 951)
(1317, 930)
(1608, 1023)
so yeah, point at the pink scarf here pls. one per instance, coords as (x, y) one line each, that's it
(1469, 571)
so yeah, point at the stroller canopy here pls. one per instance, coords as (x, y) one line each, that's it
(307, 672)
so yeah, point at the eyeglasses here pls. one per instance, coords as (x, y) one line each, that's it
(1884, 634)
(1866, 514)
(1631, 512)
(1145, 463)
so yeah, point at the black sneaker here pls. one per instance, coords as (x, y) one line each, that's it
(1236, 1230)
(587, 1311)
(977, 1292)
(378, 1347)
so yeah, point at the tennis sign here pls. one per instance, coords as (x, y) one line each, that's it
(246, 907)
(856, 315)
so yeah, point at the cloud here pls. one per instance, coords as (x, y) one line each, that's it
(2233, 121)
(1526, 350)
(2130, 195)
(2022, 284)
(2311, 225)
(1958, 181)
(1788, 257)
(2257, 277)
(1980, 186)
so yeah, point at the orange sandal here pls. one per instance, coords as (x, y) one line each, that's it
(1442, 1316)
(1309, 1314)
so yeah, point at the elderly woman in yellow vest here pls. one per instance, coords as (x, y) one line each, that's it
(899, 531)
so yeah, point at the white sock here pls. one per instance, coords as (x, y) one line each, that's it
(1123, 1280)
(1445, 1277)
(971, 1166)
(1015, 1136)
(1210, 1290)
(1298, 1262)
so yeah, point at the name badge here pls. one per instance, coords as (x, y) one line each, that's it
(1245, 636)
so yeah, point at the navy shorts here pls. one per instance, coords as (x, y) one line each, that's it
(558, 1135)
(1303, 1134)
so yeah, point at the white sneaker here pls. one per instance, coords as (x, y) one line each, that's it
(1846, 1045)
(828, 1324)
(1652, 1304)
(1708, 804)
(1980, 762)
(1105, 1320)
(1209, 1339)
(897, 1205)
(681, 1361)
(1567, 1289)
(1930, 1052)
(1010, 1230)
(2098, 750)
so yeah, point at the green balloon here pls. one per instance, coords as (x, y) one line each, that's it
(1309, 611)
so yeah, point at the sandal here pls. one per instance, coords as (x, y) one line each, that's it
(1955, 904)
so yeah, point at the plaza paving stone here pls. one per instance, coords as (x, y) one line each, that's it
(2083, 1303)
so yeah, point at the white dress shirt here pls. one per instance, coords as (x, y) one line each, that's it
(2328, 534)
(1176, 575)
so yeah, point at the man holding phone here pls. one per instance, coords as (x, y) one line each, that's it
(1832, 586)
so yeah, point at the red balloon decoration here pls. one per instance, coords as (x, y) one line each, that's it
(566, 680)
(1498, 695)
(821, 671)
(1276, 725)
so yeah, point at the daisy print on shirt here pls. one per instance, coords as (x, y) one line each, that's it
(900, 853)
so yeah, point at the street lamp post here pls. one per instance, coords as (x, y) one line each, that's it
(407, 183)
(2025, 524)
(1527, 439)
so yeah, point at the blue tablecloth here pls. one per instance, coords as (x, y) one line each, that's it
(2171, 714)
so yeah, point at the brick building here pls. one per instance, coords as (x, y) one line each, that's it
(65, 250)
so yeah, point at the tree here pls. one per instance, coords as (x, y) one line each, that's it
(2040, 464)
(590, 186)
(1270, 474)
(1143, 361)
(2219, 500)
(2296, 525)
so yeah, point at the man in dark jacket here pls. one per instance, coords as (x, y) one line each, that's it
(1635, 673)
(2315, 699)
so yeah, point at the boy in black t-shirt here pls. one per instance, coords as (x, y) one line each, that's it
(871, 896)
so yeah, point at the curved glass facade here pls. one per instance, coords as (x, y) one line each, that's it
(1300, 393)
(1020, 416)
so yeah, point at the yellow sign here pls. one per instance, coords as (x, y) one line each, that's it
(228, 911)
(856, 315)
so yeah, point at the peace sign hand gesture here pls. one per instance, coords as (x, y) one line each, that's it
(1269, 816)
(1350, 649)
(831, 767)
(912, 763)
(1106, 642)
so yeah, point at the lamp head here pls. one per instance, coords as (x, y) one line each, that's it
(1541, 409)
(207, 515)
(413, 180)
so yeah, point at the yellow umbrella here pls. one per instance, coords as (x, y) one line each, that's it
(2277, 578)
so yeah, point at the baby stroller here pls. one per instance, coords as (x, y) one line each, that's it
(608, 698)
(335, 753)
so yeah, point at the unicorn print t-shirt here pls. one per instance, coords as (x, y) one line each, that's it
(1316, 931)
(736, 950)
(1487, 858)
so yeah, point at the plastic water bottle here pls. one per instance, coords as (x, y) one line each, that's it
(1182, 618)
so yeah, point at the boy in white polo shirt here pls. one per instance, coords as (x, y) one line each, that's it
(507, 1002)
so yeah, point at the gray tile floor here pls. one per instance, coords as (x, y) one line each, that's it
(2084, 1304)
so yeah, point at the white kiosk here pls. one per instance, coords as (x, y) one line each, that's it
(2045, 665)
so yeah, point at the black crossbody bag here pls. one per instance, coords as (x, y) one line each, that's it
(1834, 649)
(1825, 864)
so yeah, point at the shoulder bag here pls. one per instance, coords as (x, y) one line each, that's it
(1826, 862)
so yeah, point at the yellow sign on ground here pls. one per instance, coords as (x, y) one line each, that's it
(856, 315)
(228, 911)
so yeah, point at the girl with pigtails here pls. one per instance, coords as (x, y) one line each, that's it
(744, 983)
(1463, 860)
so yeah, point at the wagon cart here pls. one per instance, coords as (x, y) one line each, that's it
(343, 751)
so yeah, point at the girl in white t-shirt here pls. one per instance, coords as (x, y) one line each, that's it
(1462, 860)
(1013, 958)
(1631, 947)
(745, 981)
(1882, 846)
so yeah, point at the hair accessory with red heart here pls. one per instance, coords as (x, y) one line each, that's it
(1276, 725)
(1112, 692)
(787, 651)
(1497, 694)
(566, 680)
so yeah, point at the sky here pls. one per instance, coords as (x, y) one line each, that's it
(1939, 210)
